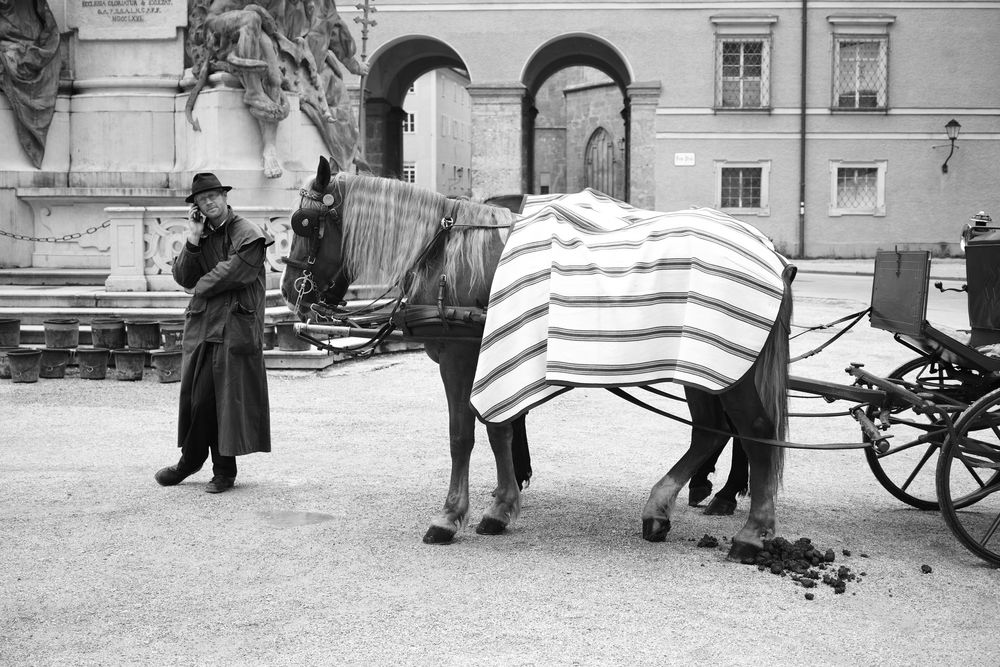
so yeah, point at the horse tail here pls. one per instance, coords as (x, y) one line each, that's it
(771, 375)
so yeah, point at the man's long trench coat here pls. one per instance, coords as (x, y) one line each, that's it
(227, 274)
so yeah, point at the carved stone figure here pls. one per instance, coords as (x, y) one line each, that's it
(274, 47)
(29, 69)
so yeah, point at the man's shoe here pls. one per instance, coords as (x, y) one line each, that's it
(220, 483)
(170, 476)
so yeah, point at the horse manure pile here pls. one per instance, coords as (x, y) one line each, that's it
(805, 564)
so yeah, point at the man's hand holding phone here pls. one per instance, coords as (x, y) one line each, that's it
(196, 225)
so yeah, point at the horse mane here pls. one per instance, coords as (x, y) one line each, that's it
(389, 223)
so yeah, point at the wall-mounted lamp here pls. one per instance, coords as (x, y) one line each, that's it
(951, 128)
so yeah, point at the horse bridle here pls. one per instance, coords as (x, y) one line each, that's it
(310, 223)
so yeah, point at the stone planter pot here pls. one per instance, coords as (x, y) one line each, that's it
(93, 362)
(53, 363)
(62, 333)
(129, 364)
(108, 333)
(24, 364)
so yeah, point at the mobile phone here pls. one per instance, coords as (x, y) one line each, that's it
(197, 215)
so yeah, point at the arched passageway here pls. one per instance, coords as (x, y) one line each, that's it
(503, 115)
(394, 68)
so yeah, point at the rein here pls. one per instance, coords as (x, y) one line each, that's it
(621, 393)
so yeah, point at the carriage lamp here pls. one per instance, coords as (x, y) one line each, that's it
(951, 128)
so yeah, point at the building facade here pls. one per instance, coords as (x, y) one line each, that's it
(821, 123)
(437, 129)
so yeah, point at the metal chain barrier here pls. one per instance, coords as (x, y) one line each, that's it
(56, 239)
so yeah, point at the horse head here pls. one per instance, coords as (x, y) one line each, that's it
(313, 274)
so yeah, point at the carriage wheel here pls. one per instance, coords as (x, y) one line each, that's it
(908, 469)
(968, 479)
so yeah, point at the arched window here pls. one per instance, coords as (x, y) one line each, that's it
(599, 170)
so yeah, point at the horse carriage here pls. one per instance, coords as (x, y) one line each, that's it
(931, 428)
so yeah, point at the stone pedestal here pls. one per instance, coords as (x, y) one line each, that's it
(229, 144)
(122, 132)
(499, 153)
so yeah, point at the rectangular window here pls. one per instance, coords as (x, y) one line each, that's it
(409, 123)
(743, 187)
(743, 73)
(740, 187)
(857, 188)
(860, 73)
(743, 60)
(409, 172)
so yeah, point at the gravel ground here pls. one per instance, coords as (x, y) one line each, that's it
(316, 557)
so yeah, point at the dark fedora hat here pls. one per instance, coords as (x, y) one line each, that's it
(204, 182)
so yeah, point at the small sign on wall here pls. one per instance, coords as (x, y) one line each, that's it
(683, 159)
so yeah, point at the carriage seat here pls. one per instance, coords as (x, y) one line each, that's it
(899, 305)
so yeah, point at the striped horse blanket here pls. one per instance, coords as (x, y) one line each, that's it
(590, 291)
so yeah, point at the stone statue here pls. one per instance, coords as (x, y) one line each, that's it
(29, 69)
(274, 47)
(330, 42)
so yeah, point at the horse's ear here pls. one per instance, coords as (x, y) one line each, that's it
(322, 175)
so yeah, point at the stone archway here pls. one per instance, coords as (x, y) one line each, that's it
(392, 69)
(559, 54)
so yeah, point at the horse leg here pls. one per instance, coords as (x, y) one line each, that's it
(506, 503)
(706, 410)
(700, 486)
(456, 375)
(457, 365)
(745, 410)
(738, 482)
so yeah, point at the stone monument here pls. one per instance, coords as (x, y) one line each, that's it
(143, 94)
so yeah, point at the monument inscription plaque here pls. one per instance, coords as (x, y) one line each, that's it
(127, 19)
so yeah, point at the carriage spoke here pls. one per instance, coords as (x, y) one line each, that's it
(991, 530)
(920, 466)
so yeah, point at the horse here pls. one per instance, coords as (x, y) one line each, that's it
(445, 251)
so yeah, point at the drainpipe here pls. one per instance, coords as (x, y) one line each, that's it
(802, 132)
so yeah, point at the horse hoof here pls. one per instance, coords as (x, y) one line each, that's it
(490, 526)
(743, 552)
(438, 535)
(655, 530)
(721, 507)
(698, 493)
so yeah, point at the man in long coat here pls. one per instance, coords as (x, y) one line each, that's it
(224, 407)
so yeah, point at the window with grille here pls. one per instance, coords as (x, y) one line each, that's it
(860, 61)
(409, 123)
(409, 172)
(857, 188)
(743, 187)
(743, 60)
(743, 73)
(859, 77)
(740, 187)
